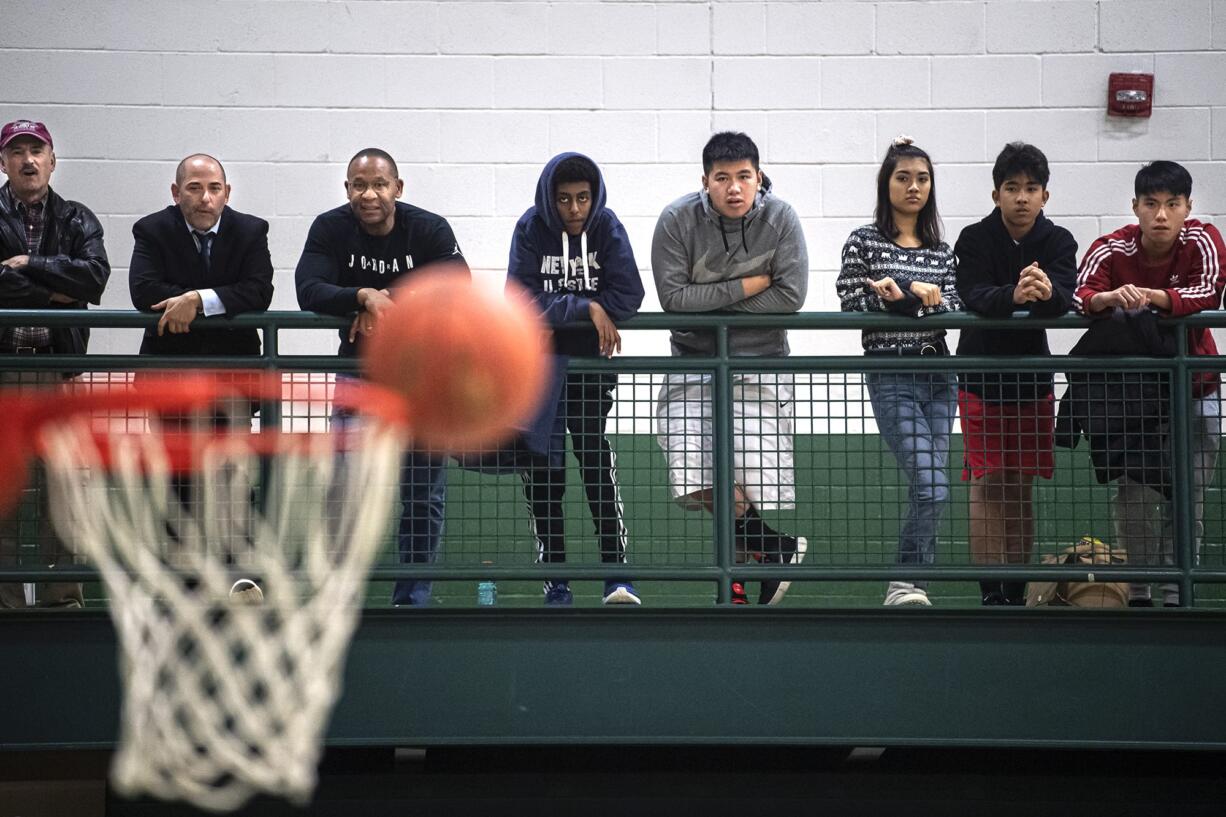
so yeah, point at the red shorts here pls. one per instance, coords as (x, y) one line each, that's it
(1006, 436)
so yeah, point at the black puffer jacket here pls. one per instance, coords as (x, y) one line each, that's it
(72, 261)
(1123, 415)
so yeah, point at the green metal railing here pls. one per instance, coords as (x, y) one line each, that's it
(770, 676)
(723, 569)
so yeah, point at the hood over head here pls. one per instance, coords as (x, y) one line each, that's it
(546, 209)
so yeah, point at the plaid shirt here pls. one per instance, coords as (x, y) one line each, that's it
(33, 218)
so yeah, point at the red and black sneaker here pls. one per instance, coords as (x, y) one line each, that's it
(738, 593)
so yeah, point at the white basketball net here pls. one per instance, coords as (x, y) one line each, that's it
(224, 701)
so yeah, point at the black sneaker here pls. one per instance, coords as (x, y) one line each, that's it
(557, 594)
(791, 552)
(1140, 602)
(995, 598)
(1015, 593)
(738, 593)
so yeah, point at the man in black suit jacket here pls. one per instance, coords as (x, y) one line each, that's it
(199, 257)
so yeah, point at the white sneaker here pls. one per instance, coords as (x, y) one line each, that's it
(620, 593)
(905, 594)
(246, 593)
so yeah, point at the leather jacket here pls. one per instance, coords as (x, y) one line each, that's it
(72, 262)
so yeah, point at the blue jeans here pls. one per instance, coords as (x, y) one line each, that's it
(915, 414)
(423, 497)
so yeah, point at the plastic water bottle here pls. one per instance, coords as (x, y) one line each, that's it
(487, 591)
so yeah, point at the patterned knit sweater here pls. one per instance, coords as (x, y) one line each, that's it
(870, 256)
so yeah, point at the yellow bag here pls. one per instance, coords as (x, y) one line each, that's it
(1088, 551)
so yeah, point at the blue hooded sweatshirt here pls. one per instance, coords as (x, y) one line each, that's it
(599, 265)
(564, 274)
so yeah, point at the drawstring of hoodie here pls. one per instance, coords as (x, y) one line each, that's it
(724, 235)
(587, 275)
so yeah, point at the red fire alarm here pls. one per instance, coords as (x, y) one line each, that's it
(1130, 94)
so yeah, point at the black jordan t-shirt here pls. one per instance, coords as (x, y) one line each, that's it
(340, 258)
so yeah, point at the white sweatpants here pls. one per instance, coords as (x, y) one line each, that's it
(762, 413)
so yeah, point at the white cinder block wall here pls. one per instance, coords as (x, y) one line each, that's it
(473, 97)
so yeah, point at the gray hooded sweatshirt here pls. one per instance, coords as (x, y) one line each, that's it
(697, 256)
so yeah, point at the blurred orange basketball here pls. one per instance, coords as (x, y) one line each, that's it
(471, 361)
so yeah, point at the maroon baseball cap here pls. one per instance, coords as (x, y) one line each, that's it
(24, 127)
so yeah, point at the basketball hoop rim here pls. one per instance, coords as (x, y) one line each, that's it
(167, 393)
(37, 412)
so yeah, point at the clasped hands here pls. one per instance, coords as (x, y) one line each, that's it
(1032, 285)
